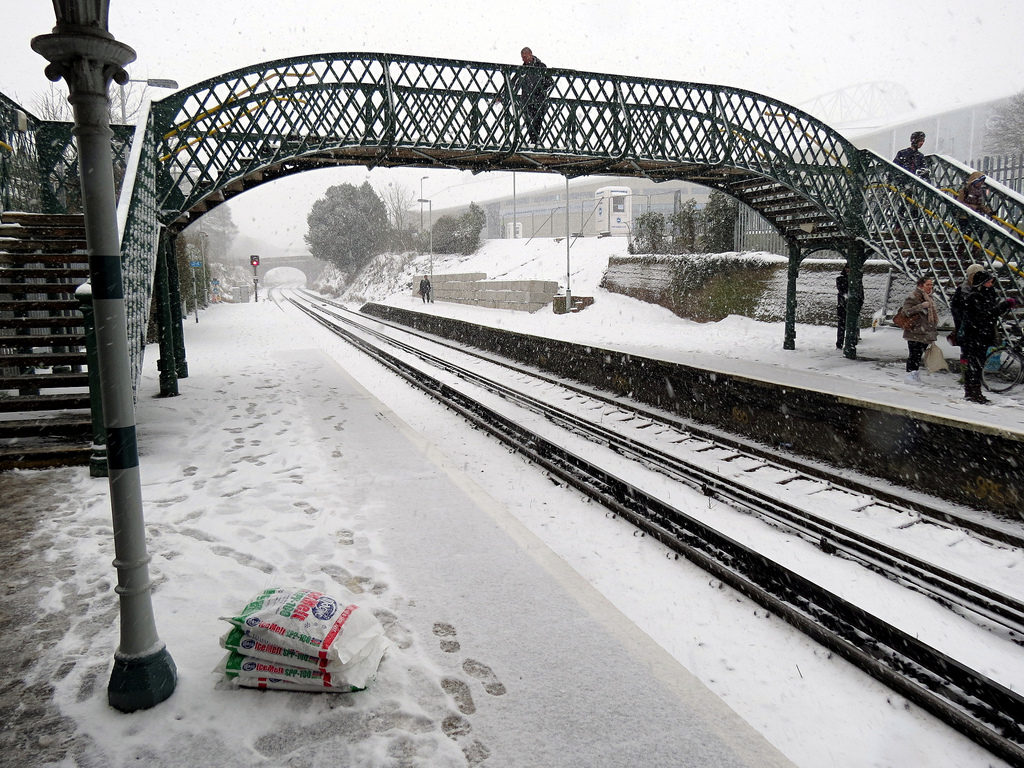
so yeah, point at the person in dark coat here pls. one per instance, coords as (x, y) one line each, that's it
(425, 290)
(532, 83)
(912, 159)
(982, 310)
(842, 286)
(919, 306)
(956, 304)
(916, 163)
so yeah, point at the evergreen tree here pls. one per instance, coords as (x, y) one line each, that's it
(719, 220)
(684, 227)
(348, 226)
(1006, 128)
(461, 235)
(648, 233)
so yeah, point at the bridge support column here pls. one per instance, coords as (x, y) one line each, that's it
(174, 290)
(82, 52)
(789, 342)
(856, 254)
(165, 327)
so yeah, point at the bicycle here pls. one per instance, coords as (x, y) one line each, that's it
(1004, 367)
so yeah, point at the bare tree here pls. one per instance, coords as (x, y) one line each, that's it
(399, 201)
(1006, 128)
(53, 103)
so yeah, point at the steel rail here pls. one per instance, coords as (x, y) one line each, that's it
(977, 706)
(950, 589)
(870, 488)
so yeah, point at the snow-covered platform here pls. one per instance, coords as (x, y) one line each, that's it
(275, 466)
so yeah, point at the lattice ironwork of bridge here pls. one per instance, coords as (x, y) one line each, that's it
(212, 141)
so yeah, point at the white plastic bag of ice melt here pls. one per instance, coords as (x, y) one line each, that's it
(239, 642)
(308, 622)
(253, 672)
(260, 673)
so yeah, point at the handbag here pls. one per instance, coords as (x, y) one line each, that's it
(934, 360)
(900, 320)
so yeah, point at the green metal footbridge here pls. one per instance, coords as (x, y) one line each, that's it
(207, 143)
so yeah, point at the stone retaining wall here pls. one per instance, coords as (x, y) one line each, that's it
(709, 287)
(474, 288)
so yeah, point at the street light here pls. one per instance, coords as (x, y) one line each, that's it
(430, 209)
(421, 202)
(155, 82)
(515, 217)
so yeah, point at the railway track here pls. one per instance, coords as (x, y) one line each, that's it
(983, 709)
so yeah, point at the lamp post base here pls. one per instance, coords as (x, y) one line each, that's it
(141, 682)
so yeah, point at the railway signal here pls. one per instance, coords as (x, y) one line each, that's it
(255, 261)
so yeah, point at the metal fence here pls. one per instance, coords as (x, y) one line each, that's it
(1008, 170)
(39, 161)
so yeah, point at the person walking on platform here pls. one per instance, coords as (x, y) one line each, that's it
(842, 286)
(425, 290)
(982, 309)
(919, 308)
(956, 303)
(532, 83)
(912, 160)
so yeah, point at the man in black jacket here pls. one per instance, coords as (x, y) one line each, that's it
(912, 160)
(842, 286)
(532, 83)
(977, 332)
(911, 157)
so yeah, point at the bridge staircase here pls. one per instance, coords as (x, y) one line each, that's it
(45, 418)
(920, 228)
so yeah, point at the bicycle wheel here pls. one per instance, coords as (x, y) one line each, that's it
(1003, 369)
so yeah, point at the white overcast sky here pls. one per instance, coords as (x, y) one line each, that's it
(945, 52)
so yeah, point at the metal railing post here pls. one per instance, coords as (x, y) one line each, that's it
(98, 455)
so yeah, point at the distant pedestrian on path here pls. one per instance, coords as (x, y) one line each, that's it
(982, 309)
(842, 286)
(532, 84)
(919, 307)
(425, 289)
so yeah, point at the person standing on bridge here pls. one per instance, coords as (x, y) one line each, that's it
(532, 84)
(919, 307)
(911, 159)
